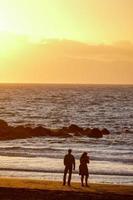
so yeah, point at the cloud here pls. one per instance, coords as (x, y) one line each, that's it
(122, 51)
(70, 61)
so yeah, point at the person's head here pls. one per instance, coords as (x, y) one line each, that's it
(69, 151)
(84, 154)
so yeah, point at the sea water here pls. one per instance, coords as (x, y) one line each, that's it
(55, 106)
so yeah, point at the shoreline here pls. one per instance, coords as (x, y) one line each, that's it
(20, 188)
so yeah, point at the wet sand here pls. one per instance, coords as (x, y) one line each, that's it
(29, 189)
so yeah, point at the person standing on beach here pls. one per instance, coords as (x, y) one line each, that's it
(69, 162)
(83, 168)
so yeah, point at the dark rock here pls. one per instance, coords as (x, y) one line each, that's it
(95, 133)
(3, 124)
(70, 131)
(7, 133)
(4, 129)
(41, 131)
(86, 131)
(75, 129)
(22, 131)
(77, 134)
(63, 132)
(19, 132)
(105, 131)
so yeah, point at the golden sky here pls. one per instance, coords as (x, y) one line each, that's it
(66, 41)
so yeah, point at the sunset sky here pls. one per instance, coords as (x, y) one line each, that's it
(66, 41)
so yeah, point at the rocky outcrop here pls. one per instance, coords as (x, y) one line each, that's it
(86, 131)
(10, 132)
(95, 133)
(105, 131)
(3, 124)
(40, 131)
(75, 129)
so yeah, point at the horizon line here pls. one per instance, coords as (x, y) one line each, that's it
(52, 83)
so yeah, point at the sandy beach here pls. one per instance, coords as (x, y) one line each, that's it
(29, 189)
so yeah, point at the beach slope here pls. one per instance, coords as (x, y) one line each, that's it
(29, 189)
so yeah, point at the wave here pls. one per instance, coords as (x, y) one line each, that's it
(49, 153)
(113, 159)
(27, 148)
(110, 173)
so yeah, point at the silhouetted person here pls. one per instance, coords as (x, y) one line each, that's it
(69, 162)
(83, 168)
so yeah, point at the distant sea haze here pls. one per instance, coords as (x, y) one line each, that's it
(53, 106)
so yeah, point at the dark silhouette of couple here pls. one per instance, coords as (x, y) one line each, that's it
(69, 162)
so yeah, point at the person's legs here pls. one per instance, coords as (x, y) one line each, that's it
(64, 177)
(82, 180)
(70, 176)
(86, 180)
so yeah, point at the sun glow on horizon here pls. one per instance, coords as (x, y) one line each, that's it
(10, 44)
(86, 48)
(88, 21)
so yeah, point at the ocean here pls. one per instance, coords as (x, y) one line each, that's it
(55, 106)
